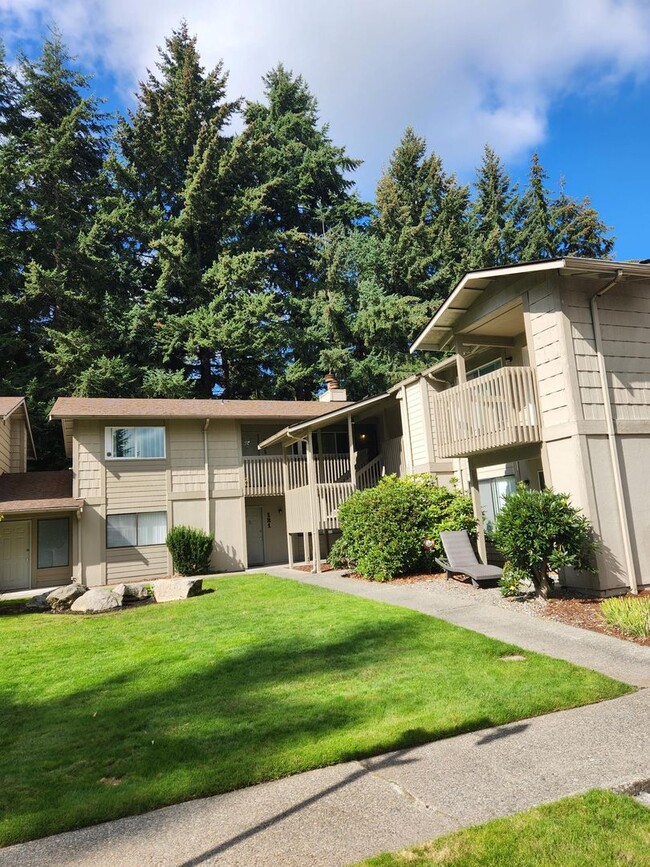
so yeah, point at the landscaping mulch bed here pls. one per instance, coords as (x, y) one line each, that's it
(404, 579)
(577, 611)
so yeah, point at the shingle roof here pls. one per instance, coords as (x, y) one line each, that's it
(37, 492)
(8, 405)
(109, 407)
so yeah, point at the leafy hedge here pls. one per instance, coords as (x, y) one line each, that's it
(384, 529)
(190, 550)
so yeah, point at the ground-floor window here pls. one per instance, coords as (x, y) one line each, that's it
(53, 541)
(140, 528)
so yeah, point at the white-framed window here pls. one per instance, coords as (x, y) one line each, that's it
(134, 443)
(53, 541)
(138, 529)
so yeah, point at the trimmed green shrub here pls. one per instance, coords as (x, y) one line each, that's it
(631, 616)
(394, 528)
(539, 532)
(190, 550)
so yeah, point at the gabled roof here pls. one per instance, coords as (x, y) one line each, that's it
(135, 408)
(300, 429)
(37, 492)
(17, 404)
(475, 283)
(9, 405)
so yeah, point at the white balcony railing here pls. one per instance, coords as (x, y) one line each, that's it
(491, 412)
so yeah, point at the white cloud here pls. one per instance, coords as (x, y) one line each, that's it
(462, 73)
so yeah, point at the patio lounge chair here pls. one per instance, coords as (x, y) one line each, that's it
(461, 559)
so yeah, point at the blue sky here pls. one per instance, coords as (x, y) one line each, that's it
(568, 78)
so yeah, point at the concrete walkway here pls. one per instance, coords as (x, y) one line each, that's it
(339, 815)
(614, 657)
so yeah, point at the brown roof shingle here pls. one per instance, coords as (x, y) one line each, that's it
(37, 492)
(109, 407)
(9, 404)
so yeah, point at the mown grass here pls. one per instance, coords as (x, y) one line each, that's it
(598, 829)
(107, 716)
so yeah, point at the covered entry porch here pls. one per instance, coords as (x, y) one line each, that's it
(325, 460)
(39, 538)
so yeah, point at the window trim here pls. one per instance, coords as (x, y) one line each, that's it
(39, 521)
(108, 442)
(136, 516)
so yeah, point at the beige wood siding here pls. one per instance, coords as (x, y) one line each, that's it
(5, 440)
(225, 457)
(18, 447)
(139, 487)
(186, 455)
(550, 365)
(142, 564)
(89, 439)
(625, 328)
(416, 420)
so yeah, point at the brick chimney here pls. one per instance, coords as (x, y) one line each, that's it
(333, 392)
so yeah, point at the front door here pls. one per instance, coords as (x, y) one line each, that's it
(254, 535)
(15, 555)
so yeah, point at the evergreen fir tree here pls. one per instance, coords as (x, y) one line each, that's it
(307, 192)
(536, 237)
(578, 229)
(495, 214)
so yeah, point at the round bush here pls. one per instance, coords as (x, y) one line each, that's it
(384, 529)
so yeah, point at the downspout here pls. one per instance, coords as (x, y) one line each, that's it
(611, 432)
(79, 547)
(207, 474)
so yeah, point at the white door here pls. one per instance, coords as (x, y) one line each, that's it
(15, 555)
(254, 535)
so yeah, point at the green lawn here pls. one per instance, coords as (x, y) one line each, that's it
(107, 716)
(598, 829)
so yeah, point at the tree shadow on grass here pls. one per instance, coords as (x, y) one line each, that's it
(252, 714)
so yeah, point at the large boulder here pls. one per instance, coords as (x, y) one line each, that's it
(170, 589)
(133, 591)
(96, 601)
(63, 597)
(38, 603)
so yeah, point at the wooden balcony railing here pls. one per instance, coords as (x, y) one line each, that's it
(264, 476)
(491, 412)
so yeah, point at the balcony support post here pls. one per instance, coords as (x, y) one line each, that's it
(478, 511)
(460, 360)
(353, 462)
(285, 486)
(313, 503)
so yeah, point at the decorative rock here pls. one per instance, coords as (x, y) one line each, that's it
(170, 589)
(95, 601)
(120, 591)
(63, 597)
(38, 603)
(137, 591)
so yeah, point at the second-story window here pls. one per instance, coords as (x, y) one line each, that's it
(135, 443)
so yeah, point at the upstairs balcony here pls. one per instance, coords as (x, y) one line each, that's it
(491, 412)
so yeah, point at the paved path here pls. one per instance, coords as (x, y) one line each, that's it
(620, 659)
(339, 815)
